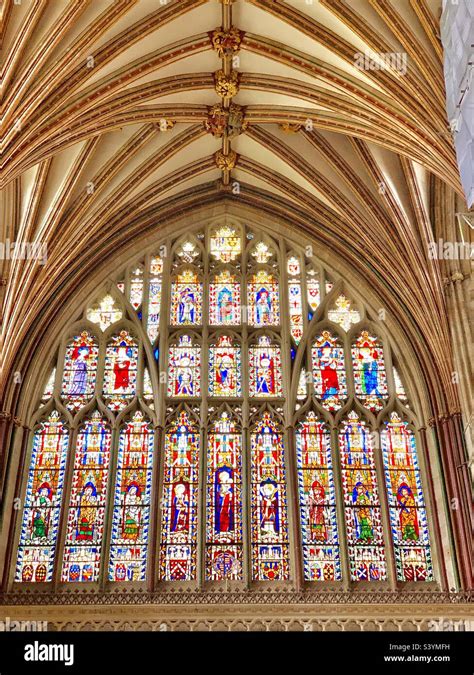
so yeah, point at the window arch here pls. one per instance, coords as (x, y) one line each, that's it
(227, 410)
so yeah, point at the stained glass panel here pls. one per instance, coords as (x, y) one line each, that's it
(80, 370)
(361, 501)
(369, 371)
(120, 376)
(225, 244)
(261, 252)
(87, 504)
(295, 299)
(154, 298)
(184, 368)
(39, 528)
(268, 502)
(265, 368)
(313, 290)
(186, 299)
(224, 501)
(329, 373)
(317, 496)
(224, 368)
(136, 288)
(224, 300)
(263, 300)
(49, 387)
(131, 514)
(406, 504)
(179, 503)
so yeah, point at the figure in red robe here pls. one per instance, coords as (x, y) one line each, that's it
(122, 369)
(224, 501)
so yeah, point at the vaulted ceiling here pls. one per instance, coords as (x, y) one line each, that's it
(113, 107)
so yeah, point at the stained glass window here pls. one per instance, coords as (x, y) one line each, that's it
(186, 299)
(131, 513)
(179, 503)
(265, 368)
(270, 557)
(230, 371)
(224, 300)
(317, 496)
(262, 252)
(105, 313)
(224, 501)
(361, 501)
(369, 371)
(263, 300)
(225, 244)
(87, 504)
(136, 287)
(154, 298)
(42, 504)
(120, 376)
(225, 377)
(406, 504)
(80, 370)
(295, 298)
(329, 372)
(184, 368)
(342, 313)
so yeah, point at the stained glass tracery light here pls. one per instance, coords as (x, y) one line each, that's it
(42, 504)
(80, 371)
(317, 495)
(369, 371)
(154, 298)
(179, 503)
(136, 287)
(224, 501)
(104, 313)
(329, 371)
(49, 387)
(225, 244)
(361, 501)
(406, 503)
(295, 299)
(270, 555)
(262, 252)
(131, 512)
(399, 388)
(342, 314)
(87, 503)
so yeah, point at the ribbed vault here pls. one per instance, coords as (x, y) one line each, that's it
(118, 115)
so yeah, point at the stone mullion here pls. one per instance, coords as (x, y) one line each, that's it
(64, 515)
(9, 570)
(204, 430)
(163, 337)
(295, 543)
(340, 511)
(153, 548)
(109, 507)
(388, 544)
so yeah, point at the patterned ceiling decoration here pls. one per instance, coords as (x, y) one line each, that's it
(115, 108)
